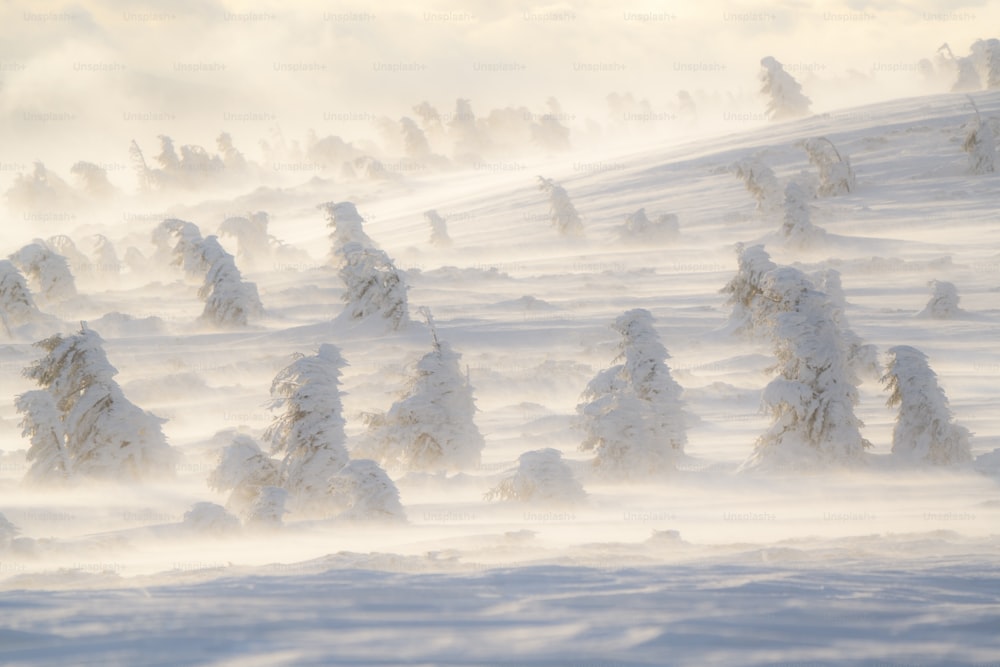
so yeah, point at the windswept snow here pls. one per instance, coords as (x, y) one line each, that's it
(699, 565)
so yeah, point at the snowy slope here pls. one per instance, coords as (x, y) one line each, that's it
(884, 566)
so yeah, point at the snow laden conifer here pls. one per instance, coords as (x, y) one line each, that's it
(785, 98)
(943, 304)
(836, 177)
(253, 244)
(632, 413)
(925, 431)
(439, 229)
(347, 227)
(230, 301)
(980, 145)
(42, 424)
(365, 493)
(17, 306)
(564, 215)
(431, 428)
(796, 226)
(309, 430)
(541, 477)
(244, 469)
(46, 270)
(760, 182)
(750, 308)
(812, 400)
(638, 228)
(373, 286)
(106, 435)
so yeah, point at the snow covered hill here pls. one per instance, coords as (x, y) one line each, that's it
(886, 564)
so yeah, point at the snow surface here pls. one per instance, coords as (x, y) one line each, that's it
(708, 567)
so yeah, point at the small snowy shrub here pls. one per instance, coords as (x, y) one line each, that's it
(981, 146)
(785, 98)
(244, 470)
(639, 228)
(365, 492)
(760, 182)
(564, 215)
(924, 430)
(211, 519)
(943, 303)
(267, 510)
(835, 174)
(541, 477)
(797, 226)
(632, 414)
(253, 244)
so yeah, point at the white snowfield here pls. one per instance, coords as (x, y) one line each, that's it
(890, 562)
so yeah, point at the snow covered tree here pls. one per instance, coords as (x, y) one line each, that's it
(943, 303)
(760, 182)
(812, 400)
(244, 469)
(106, 435)
(93, 179)
(414, 140)
(925, 431)
(431, 427)
(986, 56)
(632, 414)
(17, 307)
(309, 432)
(348, 227)
(48, 271)
(639, 228)
(796, 226)
(835, 174)
(967, 78)
(439, 229)
(42, 425)
(253, 244)
(863, 357)
(541, 477)
(105, 258)
(373, 286)
(564, 215)
(749, 307)
(179, 243)
(229, 300)
(365, 492)
(980, 145)
(785, 98)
